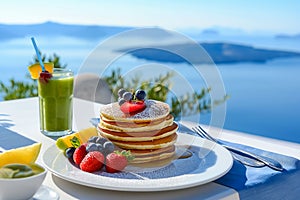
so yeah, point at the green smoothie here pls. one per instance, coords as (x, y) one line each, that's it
(55, 101)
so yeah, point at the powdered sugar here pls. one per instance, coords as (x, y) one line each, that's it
(154, 109)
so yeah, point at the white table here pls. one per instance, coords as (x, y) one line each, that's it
(22, 116)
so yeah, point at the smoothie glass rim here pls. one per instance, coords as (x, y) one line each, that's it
(62, 72)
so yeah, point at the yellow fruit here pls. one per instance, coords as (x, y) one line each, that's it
(85, 134)
(36, 69)
(22, 155)
(65, 142)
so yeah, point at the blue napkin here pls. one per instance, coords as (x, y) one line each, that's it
(264, 183)
(261, 183)
(11, 140)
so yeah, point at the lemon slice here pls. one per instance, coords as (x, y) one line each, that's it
(22, 155)
(65, 142)
(36, 69)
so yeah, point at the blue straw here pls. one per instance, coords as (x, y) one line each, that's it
(38, 54)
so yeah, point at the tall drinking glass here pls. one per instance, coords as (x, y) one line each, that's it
(55, 103)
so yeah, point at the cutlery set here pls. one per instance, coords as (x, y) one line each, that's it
(245, 157)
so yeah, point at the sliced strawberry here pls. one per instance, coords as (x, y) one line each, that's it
(133, 107)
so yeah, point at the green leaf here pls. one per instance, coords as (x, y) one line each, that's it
(126, 154)
(75, 142)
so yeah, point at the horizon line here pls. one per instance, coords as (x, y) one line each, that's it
(188, 28)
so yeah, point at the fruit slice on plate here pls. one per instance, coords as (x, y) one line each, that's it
(36, 69)
(65, 142)
(22, 155)
(132, 107)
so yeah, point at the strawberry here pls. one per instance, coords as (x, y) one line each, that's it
(85, 144)
(117, 161)
(92, 162)
(79, 154)
(45, 76)
(132, 107)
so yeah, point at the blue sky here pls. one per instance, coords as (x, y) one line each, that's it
(277, 16)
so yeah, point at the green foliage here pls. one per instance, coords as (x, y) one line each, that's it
(17, 89)
(190, 104)
(55, 59)
(158, 88)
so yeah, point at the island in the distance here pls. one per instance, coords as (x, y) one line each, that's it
(220, 53)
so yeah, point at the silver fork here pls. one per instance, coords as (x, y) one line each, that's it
(240, 155)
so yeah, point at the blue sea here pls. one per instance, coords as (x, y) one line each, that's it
(264, 97)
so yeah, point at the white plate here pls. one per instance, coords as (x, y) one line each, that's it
(209, 162)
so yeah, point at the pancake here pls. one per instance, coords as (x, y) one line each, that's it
(136, 127)
(147, 152)
(157, 157)
(154, 110)
(150, 135)
(154, 144)
(143, 135)
(135, 124)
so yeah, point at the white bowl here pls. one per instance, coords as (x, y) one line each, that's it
(21, 188)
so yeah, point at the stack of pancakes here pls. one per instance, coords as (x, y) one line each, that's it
(150, 135)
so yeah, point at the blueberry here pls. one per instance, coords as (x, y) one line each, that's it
(101, 140)
(140, 94)
(121, 92)
(91, 147)
(127, 96)
(121, 101)
(93, 139)
(108, 147)
(99, 147)
(69, 152)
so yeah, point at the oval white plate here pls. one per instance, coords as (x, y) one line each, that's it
(212, 162)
